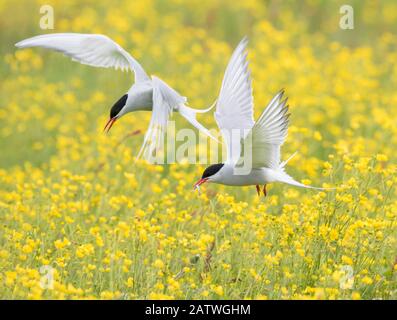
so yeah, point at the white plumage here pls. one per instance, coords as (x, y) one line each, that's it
(263, 139)
(145, 94)
(234, 109)
(95, 50)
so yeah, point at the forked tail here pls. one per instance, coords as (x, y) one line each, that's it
(282, 176)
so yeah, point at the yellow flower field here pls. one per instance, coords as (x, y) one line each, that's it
(76, 206)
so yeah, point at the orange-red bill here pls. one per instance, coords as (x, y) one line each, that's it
(109, 124)
(200, 182)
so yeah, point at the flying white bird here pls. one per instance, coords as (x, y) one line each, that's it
(234, 112)
(145, 94)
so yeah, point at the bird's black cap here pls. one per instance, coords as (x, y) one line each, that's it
(118, 106)
(211, 170)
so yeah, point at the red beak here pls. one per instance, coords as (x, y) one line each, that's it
(109, 124)
(200, 182)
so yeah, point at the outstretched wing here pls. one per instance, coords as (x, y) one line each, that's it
(165, 99)
(234, 109)
(269, 133)
(92, 49)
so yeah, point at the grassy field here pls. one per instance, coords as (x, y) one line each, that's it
(106, 226)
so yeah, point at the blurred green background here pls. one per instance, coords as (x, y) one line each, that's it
(163, 36)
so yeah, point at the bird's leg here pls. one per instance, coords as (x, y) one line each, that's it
(258, 190)
(264, 191)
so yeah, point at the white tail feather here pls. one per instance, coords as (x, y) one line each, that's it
(282, 176)
(282, 164)
(165, 100)
(190, 115)
(205, 110)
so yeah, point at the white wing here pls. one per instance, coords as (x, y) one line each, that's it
(165, 99)
(92, 49)
(234, 109)
(269, 133)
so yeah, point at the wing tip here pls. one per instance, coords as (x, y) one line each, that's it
(20, 44)
(30, 42)
(245, 39)
(243, 44)
(281, 92)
